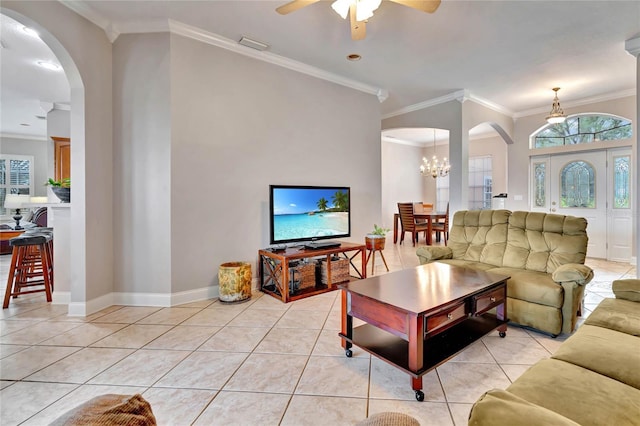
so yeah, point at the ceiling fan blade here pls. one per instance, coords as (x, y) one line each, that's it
(358, 29)
(294, 5)
(428, 6)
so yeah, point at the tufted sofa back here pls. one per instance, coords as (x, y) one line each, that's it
(479, 235)
(542, 242)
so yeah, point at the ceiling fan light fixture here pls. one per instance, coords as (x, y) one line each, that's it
(341, 7)
(365, 9)
(557, 114)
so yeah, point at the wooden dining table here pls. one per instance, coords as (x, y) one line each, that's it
(430, 217)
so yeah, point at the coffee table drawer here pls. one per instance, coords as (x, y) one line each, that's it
(489, 299)
(445, 318)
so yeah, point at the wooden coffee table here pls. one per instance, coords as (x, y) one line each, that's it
(416, 319)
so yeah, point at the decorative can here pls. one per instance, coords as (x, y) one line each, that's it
(235, 281)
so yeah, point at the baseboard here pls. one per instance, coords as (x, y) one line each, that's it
(82, 309)
(163, 300)
(633, 261)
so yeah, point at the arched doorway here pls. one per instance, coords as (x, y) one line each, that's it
(71, 289)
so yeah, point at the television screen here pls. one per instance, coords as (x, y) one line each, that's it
(303, 213)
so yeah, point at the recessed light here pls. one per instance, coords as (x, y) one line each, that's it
(49, 65)
(25, 124)
(354, 57)
(30, 31)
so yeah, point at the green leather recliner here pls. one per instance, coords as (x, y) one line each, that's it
(543, 254)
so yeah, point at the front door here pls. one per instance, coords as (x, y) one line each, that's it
(595, 185)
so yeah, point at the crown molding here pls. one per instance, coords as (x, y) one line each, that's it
(20, 136)
(114, 29)
(87, 12)
(491, 105)
(216, 40)
(632, 46)
(578, 102)
(461, 96)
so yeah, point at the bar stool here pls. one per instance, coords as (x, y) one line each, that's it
(31, 265)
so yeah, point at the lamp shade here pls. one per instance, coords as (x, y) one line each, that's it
(15, 201)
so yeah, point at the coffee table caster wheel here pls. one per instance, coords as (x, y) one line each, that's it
(419, 395)
(502, 334)
(348, 353)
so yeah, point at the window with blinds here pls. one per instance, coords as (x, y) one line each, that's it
(16, 177)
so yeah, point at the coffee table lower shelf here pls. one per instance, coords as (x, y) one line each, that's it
(437, 349)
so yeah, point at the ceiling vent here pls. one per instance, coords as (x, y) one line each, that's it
(254, 44)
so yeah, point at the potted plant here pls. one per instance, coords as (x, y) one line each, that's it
(375, 240)
(62, 188)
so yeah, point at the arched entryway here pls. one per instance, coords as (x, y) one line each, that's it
(71, 289)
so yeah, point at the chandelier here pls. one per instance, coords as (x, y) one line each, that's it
(434, 167)
(557, 114)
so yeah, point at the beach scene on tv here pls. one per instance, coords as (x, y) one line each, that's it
(307, 213)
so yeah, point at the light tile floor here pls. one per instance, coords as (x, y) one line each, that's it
(260, 362)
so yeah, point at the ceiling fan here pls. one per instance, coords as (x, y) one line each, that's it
(359, 11)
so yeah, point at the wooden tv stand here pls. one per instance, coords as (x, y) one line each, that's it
(273, 269)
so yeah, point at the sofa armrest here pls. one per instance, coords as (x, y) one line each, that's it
(430, 254)
(499, 407)
(627, 289)
(576, 272)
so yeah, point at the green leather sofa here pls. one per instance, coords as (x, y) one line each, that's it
(592, 379)
(542, 253)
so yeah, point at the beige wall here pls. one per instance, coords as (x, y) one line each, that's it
(142, 163)
(197, 145)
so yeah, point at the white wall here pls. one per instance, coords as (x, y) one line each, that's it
(35, 148)
(401, 178)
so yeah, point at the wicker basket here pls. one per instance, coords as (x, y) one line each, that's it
(302, 276)
(339, 271)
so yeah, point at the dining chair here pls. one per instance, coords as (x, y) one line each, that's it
(408, 222)
(442, 228)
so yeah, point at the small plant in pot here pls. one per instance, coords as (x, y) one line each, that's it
(375, 240)
(62, 188)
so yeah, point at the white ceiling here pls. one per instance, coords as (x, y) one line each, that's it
(506, 53)
(24, 85)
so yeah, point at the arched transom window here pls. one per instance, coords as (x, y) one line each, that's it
(584, 128)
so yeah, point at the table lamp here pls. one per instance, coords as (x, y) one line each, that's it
(15, 202)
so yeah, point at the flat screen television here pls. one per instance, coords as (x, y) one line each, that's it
(308, 213)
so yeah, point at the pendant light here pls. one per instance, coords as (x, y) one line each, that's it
(557, 114)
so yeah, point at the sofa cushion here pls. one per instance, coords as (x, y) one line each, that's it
(542, 242)
(608, 352)
(584, 396)
(501, 408)
(479, 235)
(532, 286)
(109, 409)
(627, 289)
(617, 314)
